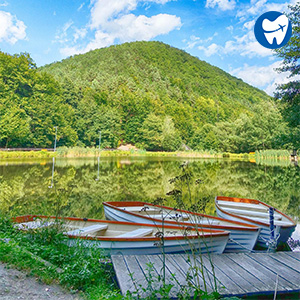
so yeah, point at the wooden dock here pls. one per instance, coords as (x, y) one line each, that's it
(234, 274)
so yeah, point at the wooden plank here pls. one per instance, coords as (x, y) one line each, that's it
(179, 267)
(267, 277)
(209, 273)
(173, 268)
(288, 261)
(265, 282)
(287, 273)
(230, 270)
(265, 260)
(293, 276)
(236, 273)
(122, 272)
(182, 263)
(138, 275)
(157, 261)
(202, 277)
(294, 255)
(230, 287)
(246, 280)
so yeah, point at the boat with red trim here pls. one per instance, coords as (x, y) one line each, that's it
(242, 236)
(131, 238)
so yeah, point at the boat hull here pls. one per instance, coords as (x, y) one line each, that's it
(281, 233)
(197, 246)
(239, 240)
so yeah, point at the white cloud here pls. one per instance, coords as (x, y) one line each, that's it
(11, 29)
(81, 6)
(211, 49)
(79, 34)
(264, 77)
(101, 40)
(103, 11)
(257, 7)
(222, 4)
(249, 25)
(131, 27)
(68, 51)
(160, 1)
(245, 45)
(195, 40)
(230, 28)
(62, 35)
(112, 21)
(4, 4)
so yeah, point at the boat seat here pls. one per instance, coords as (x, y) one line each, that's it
(136, 233)
(248, 206)
(87, 230)
(253, 214)
(140, 208)
(169, 217)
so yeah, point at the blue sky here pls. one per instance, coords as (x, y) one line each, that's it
(217, 31)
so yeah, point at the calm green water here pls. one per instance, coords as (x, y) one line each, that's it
(25, 187)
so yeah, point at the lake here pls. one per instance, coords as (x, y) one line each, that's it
(79, 186)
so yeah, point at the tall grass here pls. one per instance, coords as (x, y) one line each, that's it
(92, 152)
(273, 154)
(27, 154)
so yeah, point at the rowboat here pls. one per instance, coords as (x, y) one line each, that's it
(131, 238)
(256, 213)
(242, 236)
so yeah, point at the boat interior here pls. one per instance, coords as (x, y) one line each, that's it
(97, 229)
(177, 216)
(256, 212)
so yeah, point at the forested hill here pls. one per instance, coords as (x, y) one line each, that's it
(145, 93)
(157, 69)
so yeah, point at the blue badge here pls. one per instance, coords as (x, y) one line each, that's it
(273, 29)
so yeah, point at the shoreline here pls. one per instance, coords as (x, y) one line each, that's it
(271, 157)
(94, 152)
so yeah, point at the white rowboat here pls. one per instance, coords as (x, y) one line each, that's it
(256, 213)
(242, 236)
(131, 238)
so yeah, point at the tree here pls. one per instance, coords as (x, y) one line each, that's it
(171, 140)
(289, 93)
(14, 127)
(152, 132)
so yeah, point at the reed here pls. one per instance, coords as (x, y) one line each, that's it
(93, 152)
(26, 154)
(198, 277)
(273, 154)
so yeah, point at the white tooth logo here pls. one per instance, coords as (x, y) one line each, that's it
(276, 29)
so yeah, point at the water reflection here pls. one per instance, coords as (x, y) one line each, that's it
(81, 185)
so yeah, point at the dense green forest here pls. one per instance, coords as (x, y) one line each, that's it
(145, 93)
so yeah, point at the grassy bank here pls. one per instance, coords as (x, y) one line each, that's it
(94, 152)
(44, 254)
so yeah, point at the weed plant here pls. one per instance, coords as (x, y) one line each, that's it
(200, 280)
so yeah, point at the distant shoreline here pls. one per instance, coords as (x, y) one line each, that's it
(74, 152)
